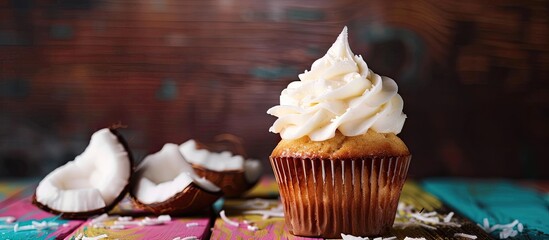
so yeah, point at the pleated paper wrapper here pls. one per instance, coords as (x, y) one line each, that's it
(325, 197)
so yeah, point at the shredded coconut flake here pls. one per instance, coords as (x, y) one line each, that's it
(464, 235)
(118, 227)
(99, 225)
(430, 214)
(408, 216)
(8, 219)
(227, 220)
(506, 230)
(96, 237)
(191, 224)
(252, 228)
(26, 228)
(79, 236)
(448, 217)
(125, 219)
(486, 223)
(164, 218)
(101, 218)
(427, 226)
(411, 238)
(423, 218)
(190, 238)
(351, 237)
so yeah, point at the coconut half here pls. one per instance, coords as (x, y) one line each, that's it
(165, 183)
(234, 174)
(93, 183)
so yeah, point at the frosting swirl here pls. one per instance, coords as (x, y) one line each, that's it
(338, 93)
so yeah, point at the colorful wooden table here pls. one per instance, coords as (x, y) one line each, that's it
(471, 203)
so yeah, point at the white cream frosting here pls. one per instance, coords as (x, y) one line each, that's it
(338, 93)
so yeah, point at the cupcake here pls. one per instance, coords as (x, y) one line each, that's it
(340, 167)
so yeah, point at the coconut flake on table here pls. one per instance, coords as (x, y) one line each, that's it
(252, 228)
(117, 227)
(464, 235)
(249, 225)
(34, 226)
(191, 224)
(122, 222)
(147, 221)
(351, 237)
(506, 230)
(227, 220)
(423, 218)
(125, 218)
(81, 236)
(409, 217)
(448, 217)
(8, 219)
(220, 162)
(186, 238)
(163, 174)
(162, 219)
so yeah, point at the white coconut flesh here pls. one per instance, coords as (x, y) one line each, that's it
(220, 162)
(162, 175)
(93, 180)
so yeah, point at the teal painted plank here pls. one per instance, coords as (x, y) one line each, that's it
(499, 201)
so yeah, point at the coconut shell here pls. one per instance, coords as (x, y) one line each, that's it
(192, 199)
(232, 183)
(84, 215)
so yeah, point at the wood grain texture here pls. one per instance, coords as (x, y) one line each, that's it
(174, 70)
(500, 202)
(413, 194)
(19, 205)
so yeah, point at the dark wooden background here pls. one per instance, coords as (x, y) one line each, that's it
(474, 75)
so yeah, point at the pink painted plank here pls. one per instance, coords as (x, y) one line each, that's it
(177, 227)
(198, 225)
(19, 205)
(25, 212)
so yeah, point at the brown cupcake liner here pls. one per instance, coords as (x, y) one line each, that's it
(324, 198)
